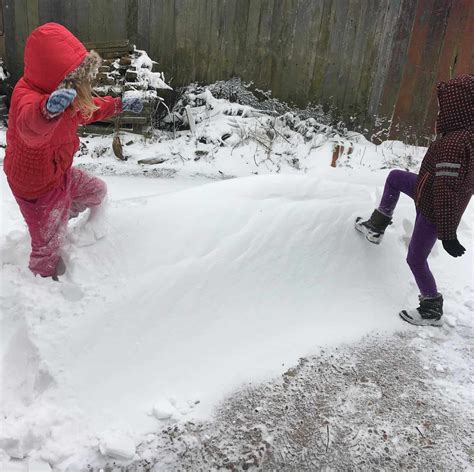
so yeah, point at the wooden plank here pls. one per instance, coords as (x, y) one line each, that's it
(12, 54)
(321, 58)
(132, 120)
(66, 15)
(465, 59)
(156, 30)
(21, 32)
(202, 42)
(241, 56)
(116, 24)
(429, 64)
(192, 34)
(231, 32)
(458, 23)
(250, 48)
(143, 24)
(379, 56)
(44, 10)
(383, 57)
(213, 40)
(330, 86)
(346, 53)
(183, 53)
(32, 14)
(108, 46)
(414, 59)
(264, 45)
(221, 27)
(370, 59)
(82, 21)
(308, 21)
(397, 60)
(341, 30)
(283, 36)
(356, 62)
(162, 36)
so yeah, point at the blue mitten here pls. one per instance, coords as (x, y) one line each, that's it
(59, 100)
(133, 104)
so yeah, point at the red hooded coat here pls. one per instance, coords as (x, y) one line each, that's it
(40, 150)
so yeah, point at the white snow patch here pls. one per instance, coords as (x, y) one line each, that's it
(199, 287)
(164, 410)
(117, 445)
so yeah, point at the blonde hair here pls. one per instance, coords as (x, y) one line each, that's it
(84, 102)
(80, 79)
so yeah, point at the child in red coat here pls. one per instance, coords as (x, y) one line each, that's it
(51, 99)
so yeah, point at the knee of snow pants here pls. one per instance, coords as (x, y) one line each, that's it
(86, 190)
(47, 216)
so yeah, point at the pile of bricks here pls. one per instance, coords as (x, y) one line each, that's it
(116, 76)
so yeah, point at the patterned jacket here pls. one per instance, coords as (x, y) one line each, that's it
(446, 180)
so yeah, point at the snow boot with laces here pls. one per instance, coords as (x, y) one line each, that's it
(373, 228)
(429, 312)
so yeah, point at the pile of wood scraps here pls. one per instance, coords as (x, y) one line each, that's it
(126, 70)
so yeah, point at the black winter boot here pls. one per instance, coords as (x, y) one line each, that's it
(374, 228)
(429, 312)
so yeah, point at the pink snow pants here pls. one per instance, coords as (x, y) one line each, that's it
(47, 216)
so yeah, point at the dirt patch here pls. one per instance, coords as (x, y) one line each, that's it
(370, 406)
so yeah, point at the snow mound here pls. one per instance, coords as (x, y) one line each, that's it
(190, 295)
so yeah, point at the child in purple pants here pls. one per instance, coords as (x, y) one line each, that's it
(441, 192)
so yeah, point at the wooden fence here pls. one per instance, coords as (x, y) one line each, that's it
(376, 62)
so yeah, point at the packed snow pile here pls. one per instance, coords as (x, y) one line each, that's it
(199, 286)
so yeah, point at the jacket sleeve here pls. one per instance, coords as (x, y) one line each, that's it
(108, 106)
(32, 123)
(450, 173)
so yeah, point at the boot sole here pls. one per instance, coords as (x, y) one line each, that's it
(374, 238)
(419, 321)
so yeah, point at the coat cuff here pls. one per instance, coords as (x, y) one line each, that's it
(44, 111)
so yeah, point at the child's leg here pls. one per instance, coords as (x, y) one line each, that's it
(46, 218)
(86, 190)
(397, 181)
(422, 242)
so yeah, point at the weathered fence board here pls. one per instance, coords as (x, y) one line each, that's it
(363, 58)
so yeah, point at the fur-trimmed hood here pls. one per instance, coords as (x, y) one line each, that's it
(54, 57)
(87, 70)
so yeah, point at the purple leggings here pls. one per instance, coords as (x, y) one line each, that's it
(424, 234)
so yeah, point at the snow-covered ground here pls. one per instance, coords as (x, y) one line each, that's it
(238, 258)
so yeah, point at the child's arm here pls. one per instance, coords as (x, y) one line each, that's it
(108, 106)
(449, 175)
(34, 123)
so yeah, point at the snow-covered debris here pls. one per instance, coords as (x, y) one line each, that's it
(131, 72)
(144, 67)
(117, 446)
(4, 74)
(232, 139)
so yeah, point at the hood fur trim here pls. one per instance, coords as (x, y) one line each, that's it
(87, 70)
